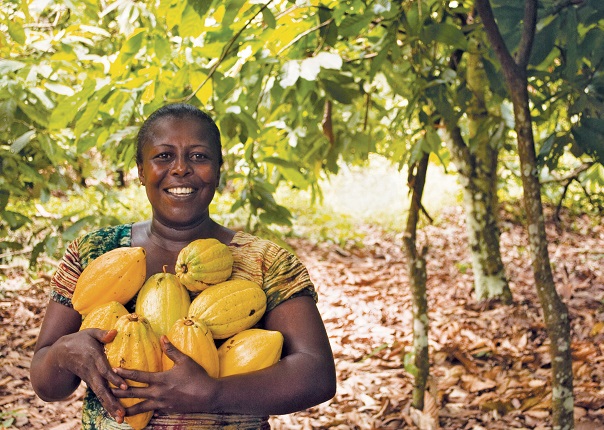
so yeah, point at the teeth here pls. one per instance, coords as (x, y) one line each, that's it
(180, 190)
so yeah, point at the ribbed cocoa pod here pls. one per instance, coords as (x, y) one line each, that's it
(250, 350)
(202, 263)
(162, 300)
(116, 275)
(193, 338)
(229, 307)
(135, 347)
(104, 316)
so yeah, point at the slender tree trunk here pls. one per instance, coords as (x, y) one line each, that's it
(481, 192)
(480, 201)
(416, 265)
(476, 161)
(554, 310)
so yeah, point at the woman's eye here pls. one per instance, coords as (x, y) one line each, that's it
(163, 155)
(199, 157)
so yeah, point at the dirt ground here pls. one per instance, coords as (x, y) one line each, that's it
(490, 366)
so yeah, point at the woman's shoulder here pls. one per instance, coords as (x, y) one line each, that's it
(102, 240)
(248, 241)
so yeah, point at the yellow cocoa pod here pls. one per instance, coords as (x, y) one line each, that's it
(136, 347)
(229, 307)
(193, 338)
(104, 316)
(116, 275)
(204, 262)
(250, 350)
(162, 300)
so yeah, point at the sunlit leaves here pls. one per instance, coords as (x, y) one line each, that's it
(15, 29)
(129, 49)
(80, 84)
(308, 68)
(589, 135)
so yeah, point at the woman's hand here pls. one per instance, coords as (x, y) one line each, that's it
(65, 356)
(182, 389)
(84, 356)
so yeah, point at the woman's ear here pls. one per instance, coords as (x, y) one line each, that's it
(141, 175)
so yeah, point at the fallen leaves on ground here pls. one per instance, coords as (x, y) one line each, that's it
(490, 364)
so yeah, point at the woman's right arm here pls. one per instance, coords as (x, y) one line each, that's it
(64, 356)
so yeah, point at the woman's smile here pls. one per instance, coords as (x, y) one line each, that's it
(181, 191)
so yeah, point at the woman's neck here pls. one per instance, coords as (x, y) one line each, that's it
(173, 238)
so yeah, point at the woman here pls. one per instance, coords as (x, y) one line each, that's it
(179, 157)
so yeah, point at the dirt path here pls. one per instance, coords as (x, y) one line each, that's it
(490, 365)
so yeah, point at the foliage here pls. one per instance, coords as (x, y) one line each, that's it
(295, 87)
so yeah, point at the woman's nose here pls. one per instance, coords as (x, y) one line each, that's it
(181, 166)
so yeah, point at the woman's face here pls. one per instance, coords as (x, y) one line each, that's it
(180, 171)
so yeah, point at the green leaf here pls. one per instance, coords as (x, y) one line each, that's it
(66, 109)
(173, 12)
(190, 23)
(162, 48)
(571, 51)
(134, 42)
(4, 196)
(22, 141)
(589, 136)
(353, 25)
(129, 49)
(7, 66)
(73, 231)
(201, 7)
(289, 170)
(444, 33)
(90, 114)
(59, 88)
(16, 31)
(338, 92)
(126, 110)
(7, 113)
(269, 18)
(592, 45)
(15, 220)
(545, 41)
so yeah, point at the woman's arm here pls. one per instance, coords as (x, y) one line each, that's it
(304, 377)
(64, 356)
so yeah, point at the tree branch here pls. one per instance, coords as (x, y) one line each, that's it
(226, 51)
(573, 175)
(304, 34)
(523, 54)
(563, 5)
(490, 26)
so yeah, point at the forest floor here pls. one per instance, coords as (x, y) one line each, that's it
(490, 365)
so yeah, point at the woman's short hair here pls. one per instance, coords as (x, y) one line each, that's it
(178, 111)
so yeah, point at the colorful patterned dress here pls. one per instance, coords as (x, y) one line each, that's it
(279, 272)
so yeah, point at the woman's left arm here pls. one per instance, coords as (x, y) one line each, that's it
(305, 376)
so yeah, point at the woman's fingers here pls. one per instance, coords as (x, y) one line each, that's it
(171, 351)
(90, 363)
(135, 375)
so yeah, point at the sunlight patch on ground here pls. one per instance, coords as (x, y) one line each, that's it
(378, 193)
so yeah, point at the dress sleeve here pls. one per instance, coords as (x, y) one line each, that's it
(286, 277)
(63, 282)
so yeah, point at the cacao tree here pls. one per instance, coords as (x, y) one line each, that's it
(78, 79)
(514, 69)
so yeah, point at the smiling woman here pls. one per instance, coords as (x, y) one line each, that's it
(179, 158)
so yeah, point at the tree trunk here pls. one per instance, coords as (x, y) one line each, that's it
(478, 178)
(554, 310)
(476, 162)
(416, 265)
